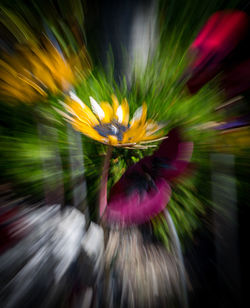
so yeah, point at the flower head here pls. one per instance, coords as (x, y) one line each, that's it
(32, 73)
(144, 189)
(110, 124)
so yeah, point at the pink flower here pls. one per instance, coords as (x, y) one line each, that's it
(144, 191)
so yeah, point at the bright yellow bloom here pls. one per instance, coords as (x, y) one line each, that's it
(110, 124)
(34, 72)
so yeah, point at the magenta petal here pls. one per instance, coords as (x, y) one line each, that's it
(175, 153)
(143, 190)
(174, 148)
(177, 168)
(169, 148)
(137, 207)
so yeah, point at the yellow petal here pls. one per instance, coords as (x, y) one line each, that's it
(88, 131)
(112, 140)
(115, 104)
(139, 136)
(152, 137)
(121, 112)
(32, 84)
(137, 129)
(108, 111)
(152, 127)
(83, 112)
(57, 65)
(12, 81)
(7, 67)
(139, 117)
(125, 112)
(42, 73)
(26, 94)
(144, 113)
(134, 134)
(129, 134)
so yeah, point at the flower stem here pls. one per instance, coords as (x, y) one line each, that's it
(104, 182)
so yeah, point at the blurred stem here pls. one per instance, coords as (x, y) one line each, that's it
(104, 182)
(177, 247)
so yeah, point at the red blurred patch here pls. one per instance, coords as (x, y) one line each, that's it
(217, 39)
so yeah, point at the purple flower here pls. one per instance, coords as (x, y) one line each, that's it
(144, 191)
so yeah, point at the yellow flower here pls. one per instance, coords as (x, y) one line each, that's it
(34, 72)
(110, 124)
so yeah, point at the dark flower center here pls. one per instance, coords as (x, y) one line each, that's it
(111, 129)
